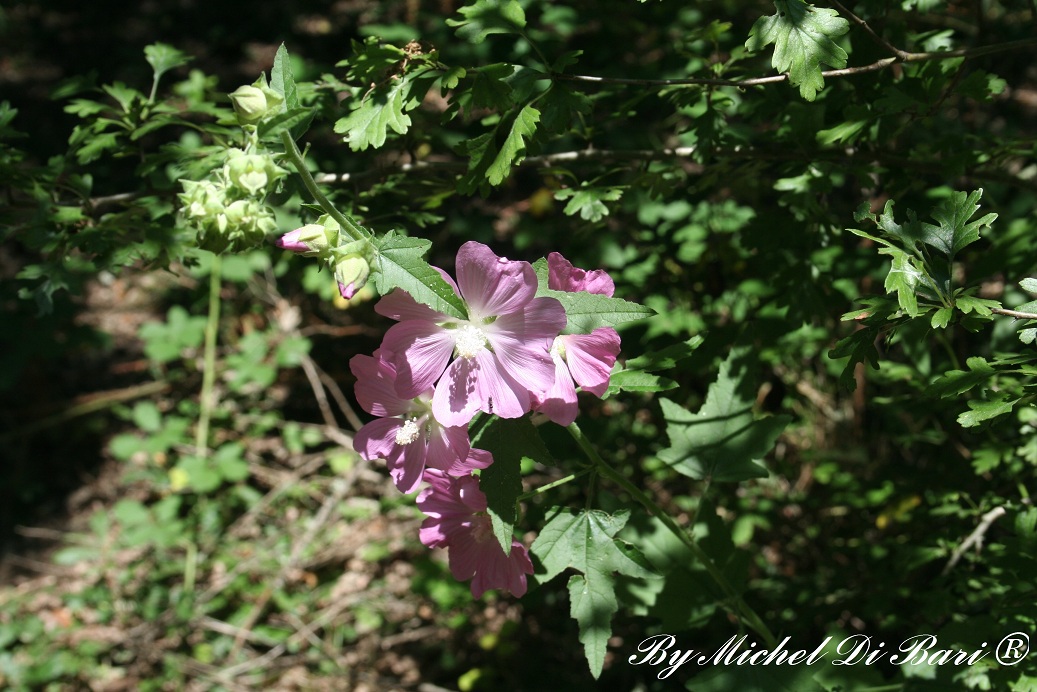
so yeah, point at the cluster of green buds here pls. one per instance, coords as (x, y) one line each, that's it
(227, 210)
(349, 259)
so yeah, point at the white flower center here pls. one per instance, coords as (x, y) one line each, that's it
(558, 348)
(408, 433)
(470, 340)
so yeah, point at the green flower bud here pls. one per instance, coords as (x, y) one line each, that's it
(252, 172)
(250, 104)
(255, 102)
(351, 273)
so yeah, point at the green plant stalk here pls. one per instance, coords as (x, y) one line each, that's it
(201, 437)
(746, 613)
(554, 484)
(348, 225)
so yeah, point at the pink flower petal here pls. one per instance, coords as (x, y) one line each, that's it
(559, 403)
(375, 386)
(406, 468)
(399, 305)
(456, 398)
(563, 276)
(509, 397)
(420, 352)
(448, 448)
(590, 358)
(542, 318)
(476, 459)
(526, 363)
(377, 439)
(493, 285)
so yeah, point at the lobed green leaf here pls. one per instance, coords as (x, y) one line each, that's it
(803, 40)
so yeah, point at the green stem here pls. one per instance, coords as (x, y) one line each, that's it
(348, 225)
(746, 613)
(554, 484)
(201, 438)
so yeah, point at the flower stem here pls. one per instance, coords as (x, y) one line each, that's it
(554, 484)
(201, 438)
(746, 613)
(350, 227)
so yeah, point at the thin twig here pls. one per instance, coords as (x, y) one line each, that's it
(975, 538)
(310, 369)
(340, 398)
(868, 30)
(1014, 313)
(901, 56)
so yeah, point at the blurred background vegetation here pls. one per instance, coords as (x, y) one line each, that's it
(283, 561)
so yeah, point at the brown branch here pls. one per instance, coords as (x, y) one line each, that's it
(975, 538)
(1014, 313)
(899, 56)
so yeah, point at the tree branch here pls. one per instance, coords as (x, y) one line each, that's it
(1014, 313)
(900, 56)
(975, 538)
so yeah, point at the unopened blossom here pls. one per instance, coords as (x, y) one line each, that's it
(491, 361)
(579, 359)
(457, 520)
(406, 435)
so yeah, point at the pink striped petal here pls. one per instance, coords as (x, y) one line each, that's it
(476, 459)
(509, 397)
(448, 448)
(590, 358)
(377, 439)
(493, 285)
(526, 362)
(563, 276)
(400, 306)
(456, 398)
(559, 403)
(375, 386)
(420, 352)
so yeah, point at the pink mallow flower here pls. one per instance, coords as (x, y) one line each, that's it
(407, 435)
(583, 359)
(457, 520)
(501, 352)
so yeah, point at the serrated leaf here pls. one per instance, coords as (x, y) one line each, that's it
(980, 411)
(981, 306)
(288, 120)
(282, 79)
(400, 264)
(490, 88)
(903, 278)
(487, 160)
(585, 311)
(637, 381)
(163, 57)
(509, 441)
(803, 40)
(667, 358)
(1029, 285)
(724, 440)
(955, 231)
(592, 603)
(588, 202)
(485, 17)
(941, 318)
(586, 541)
(369, 124)
(954, 382)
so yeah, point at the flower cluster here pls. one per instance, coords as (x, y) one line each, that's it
(227, 210)
(434, 372)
